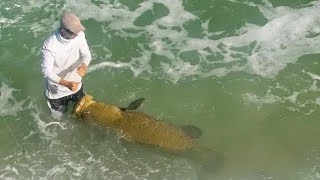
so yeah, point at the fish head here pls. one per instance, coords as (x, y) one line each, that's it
(81, 105)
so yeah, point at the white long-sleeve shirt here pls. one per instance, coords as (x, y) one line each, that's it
(60, 59)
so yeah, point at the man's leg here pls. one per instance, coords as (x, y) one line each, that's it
(58, 106)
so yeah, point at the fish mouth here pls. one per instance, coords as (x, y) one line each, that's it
(84, 102)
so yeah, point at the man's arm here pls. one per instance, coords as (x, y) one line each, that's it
(48, 59)
(73, 86)
(47, 70)
(84, 53)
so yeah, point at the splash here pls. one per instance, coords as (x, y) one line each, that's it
(48, 130)
(8, 104)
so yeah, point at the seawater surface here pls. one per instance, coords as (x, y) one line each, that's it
(245, 72)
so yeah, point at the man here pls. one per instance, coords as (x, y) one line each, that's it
(65, 58)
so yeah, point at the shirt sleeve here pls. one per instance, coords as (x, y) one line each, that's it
(84, 49)
(47, 64)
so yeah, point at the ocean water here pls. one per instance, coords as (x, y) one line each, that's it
(245, 72)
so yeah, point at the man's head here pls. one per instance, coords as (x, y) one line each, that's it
(70, 26)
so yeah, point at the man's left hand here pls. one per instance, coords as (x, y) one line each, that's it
(82, 69)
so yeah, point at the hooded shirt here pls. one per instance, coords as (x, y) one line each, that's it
(60, 59)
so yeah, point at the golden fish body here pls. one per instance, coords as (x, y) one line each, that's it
(134, 126)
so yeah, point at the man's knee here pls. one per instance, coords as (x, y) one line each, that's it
(59, 104)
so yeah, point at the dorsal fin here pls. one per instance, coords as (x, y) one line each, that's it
(192, 131)
(133, 105)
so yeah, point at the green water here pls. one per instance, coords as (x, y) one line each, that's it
(244, 72)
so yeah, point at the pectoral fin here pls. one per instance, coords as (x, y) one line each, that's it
(192, 131)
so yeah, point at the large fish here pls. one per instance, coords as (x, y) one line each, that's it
(136, 126)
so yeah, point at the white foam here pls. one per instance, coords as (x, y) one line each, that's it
(108, 64)
(293, 103)
(49, 130)
(122, 19)
(9, 170)
(5, 22)
(61, 169)
(8, 104)
(289, 34)
(314, 76)
(259, 101)
(179, 69)
(286, 37)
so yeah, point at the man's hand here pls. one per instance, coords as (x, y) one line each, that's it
(82, 69)
(73, 86)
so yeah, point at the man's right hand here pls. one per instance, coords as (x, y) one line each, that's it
(72, 85)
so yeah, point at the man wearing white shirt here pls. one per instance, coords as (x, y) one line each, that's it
(65, 58)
